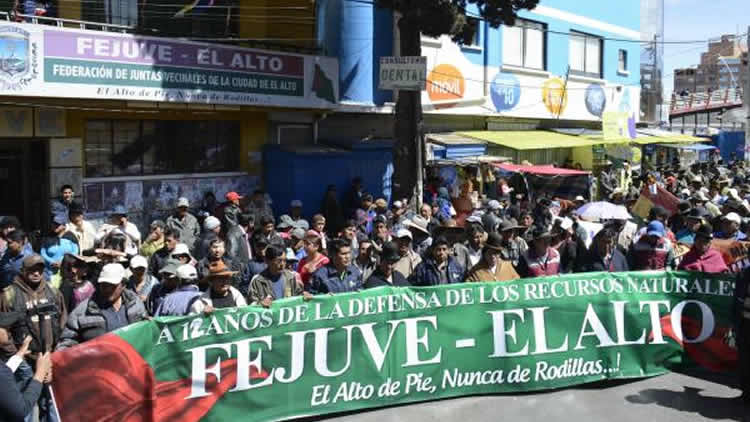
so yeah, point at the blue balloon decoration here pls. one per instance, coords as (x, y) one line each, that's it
(596, 100)
(505, 92)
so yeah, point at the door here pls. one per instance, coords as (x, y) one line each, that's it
(23, 181)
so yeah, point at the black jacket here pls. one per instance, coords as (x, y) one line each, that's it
(16, 404)
(236, 245)
(158, 260)
(377, 280)
(591, 262)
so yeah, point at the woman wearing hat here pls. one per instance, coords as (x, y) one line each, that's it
(702, 257)
(491, 266)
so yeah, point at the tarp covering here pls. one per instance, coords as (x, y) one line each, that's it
(547, 170)
(695, 147)
(534, 139)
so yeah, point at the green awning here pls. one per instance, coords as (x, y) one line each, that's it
(539, 139)
(669, 139)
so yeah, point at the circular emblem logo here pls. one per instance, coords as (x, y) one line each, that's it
(505, 92)
(445, 82)
(596, 100)
(554, 96)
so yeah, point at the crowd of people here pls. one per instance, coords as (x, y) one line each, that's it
(81, 281)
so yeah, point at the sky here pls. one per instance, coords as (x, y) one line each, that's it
(698, 20)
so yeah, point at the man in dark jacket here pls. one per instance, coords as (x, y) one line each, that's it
(385, 274)
(217, 252)
(42, 304)
(111, 308)
(339, 276)
(159, 259)
(603, 255)
(439, 268)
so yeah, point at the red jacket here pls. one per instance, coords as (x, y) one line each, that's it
(709, 262)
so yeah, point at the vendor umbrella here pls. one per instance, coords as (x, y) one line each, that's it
(603, 211)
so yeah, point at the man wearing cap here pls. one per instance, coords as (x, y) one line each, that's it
(180, 302)
(297, 245)
(155, 239)
(275, 282)
(112, 307)
(211, 231)
(386, 273)
(540, 259)
(469, 253)
(398, 216)
(42, 304)
(184, 223)
(653, 251)
(238, 240)
(440, 267)
(220, 293)
(407, 259)
(140, 281)
(340, 275)
(84, 232)
(513, 246)
(159, 259)
(730, 226)
(119, 221)
(167, 284)
(232, 208)
(695, 218)
(702, 257)
(492, 267)
(660, 214)
(12, 260)
(491, 219)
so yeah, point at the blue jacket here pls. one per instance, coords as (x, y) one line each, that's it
(178, 302)
(427, 274)
(54, 252)
(329, 280)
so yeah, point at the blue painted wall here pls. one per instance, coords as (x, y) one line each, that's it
(358, 34)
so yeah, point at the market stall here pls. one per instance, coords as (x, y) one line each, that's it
(547, 179)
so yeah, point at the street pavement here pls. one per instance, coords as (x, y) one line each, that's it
(696, 396)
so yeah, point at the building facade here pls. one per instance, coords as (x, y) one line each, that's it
(137, 120)
(721, 67)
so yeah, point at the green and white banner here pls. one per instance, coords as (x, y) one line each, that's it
(399, 345)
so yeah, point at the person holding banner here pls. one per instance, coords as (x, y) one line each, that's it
(603, 255)
(540, 259)
(653, 251)
(702, 257)
(339, 276)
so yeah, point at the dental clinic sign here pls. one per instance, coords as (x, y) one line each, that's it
(399, 345)
(37, 60)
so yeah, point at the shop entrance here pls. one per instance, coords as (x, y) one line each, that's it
(23, 181)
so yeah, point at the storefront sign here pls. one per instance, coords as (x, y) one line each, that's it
(56, 62)
(408, 73)
(391, 346)
(615, 125)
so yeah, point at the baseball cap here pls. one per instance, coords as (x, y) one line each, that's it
(402, 233)
(211, 223)
(182, 202)
(180, 249)
(655, 228)
(32, 260)
(298, 233)
(733, 217)
(157, 223)
(138, 261)
(398, 204)
(233, 196)
(494, 205)
(580, 198)
(112, 274)
(187, 272)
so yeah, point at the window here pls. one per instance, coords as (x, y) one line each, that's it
(472, 34)
(144, 147)
(622, 61)
(524, 44)
(585, 55)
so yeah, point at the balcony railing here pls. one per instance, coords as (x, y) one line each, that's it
(706, 100)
